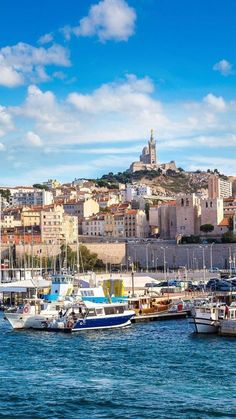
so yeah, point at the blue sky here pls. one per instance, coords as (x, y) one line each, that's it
(83, 82)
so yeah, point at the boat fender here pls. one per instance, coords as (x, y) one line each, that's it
(70, 324)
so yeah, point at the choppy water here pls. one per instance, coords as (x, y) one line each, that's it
(153, 370)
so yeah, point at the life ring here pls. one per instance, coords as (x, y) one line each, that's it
(26, 309)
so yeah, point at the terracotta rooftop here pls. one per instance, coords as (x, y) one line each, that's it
(224, 222)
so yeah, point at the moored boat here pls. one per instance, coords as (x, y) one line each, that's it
(94, 316)
(206, 318)
(34, 314)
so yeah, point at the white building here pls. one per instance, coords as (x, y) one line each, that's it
(94, 226)
(219, 187)
(134, 192)
(31, 197)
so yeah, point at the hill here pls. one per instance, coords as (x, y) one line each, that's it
(170, 183)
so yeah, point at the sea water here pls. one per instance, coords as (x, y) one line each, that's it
(151, 370)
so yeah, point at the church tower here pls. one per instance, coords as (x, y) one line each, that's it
(152, 149)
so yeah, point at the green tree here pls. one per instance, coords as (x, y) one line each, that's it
(228, 237)
(5, 193)
(206, 228)
(39, 186)
(89, 261)
(147, 208)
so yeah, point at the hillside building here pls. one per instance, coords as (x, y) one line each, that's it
(219, 187)
(148, 159)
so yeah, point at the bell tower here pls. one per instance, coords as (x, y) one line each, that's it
(152, 149)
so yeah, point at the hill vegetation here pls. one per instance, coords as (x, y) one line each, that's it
(168, 183)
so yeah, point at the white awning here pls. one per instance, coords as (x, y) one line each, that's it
(22, 286)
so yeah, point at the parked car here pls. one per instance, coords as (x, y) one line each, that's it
(214, 270)
(152, 284)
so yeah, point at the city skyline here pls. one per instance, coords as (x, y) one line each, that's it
(82, 84)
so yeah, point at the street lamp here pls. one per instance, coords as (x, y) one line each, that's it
(204, 266)
(156, 263)
(164, 260)
(230, 262)
(147, 257)
(187, 258)
(211, 255)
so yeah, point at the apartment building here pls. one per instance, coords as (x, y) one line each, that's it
(135, 224)
(56, 226)
(94, 226)
(82, 209)
(114, 224)
(21, 235)
(31, 197)
(219, 187)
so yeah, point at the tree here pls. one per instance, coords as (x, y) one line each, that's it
(5, 193)
(206, 228)
(39, 186)
(147, 208)
(89, 261)
(228, 237)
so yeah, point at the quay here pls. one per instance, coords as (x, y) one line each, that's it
(160, 316)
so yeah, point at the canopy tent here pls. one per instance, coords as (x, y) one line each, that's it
(22, 286)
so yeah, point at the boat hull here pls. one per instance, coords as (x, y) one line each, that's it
(103, 322)
(24, 321)
(202, 325)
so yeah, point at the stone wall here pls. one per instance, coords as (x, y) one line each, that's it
(151, 255)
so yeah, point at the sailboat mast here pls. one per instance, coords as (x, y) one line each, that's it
(0, 238)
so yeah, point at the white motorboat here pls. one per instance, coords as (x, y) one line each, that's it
(92, 316)
(34, 314)
(207, 317)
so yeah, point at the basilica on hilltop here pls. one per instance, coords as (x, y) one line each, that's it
(148, 159)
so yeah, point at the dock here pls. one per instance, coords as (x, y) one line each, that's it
(160, 316)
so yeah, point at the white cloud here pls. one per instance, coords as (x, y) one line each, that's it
(2, 147)
(224, 67)
(108, 20)
(22, 62)
(6, 123)
(34, 139)
(124, 96)
(123, 112)
(8, 76)
(223, 164)
(215, 102)
(45, 39)
(50, 116)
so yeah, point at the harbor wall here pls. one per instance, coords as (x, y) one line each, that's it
(150, 255)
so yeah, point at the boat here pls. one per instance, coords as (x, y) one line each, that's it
(206, 318)
(93, 316)
(34, 314)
